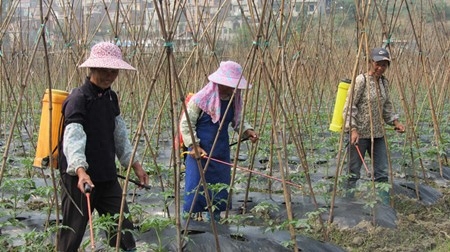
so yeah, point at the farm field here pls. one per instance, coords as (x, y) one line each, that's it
(287, 188)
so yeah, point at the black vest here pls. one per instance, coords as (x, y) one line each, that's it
(95, 109)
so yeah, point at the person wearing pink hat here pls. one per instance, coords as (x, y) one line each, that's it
(206, 110)
(94, 133)
(367, 109)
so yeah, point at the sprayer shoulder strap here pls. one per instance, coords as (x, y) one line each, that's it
(87, 101)
(382, 80)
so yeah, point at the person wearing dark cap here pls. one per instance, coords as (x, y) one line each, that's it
(94, 133)
(367, 109)
(207, 110)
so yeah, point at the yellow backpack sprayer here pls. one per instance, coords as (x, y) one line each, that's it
(43, 149)
(338, 119)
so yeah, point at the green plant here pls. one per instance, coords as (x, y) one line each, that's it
(264, 209)
(6, 240)
(39, 240)
(168, 195)
(136, 210)
(371, 197)
(107, 224)
(288, 244)
(158, 224)
(28, 165)
(16, 190)
(45, 192)
(214, 190)
(313, 218)
(323, 187)
(238, 220)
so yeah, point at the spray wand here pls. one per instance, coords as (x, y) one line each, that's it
(87, 192)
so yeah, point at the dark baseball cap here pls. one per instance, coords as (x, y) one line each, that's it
(379, 54)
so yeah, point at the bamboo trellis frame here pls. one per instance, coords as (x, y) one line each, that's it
(293, 60)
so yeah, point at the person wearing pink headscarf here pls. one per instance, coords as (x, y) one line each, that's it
(207, 109)
(94, 134)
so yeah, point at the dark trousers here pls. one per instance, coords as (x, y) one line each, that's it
(380, 162)
(106, 197)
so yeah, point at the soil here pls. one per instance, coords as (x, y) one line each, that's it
(419, 228)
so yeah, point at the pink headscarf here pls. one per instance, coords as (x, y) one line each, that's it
(208, 100)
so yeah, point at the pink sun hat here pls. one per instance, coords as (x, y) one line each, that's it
(229, 74)
(106, 55)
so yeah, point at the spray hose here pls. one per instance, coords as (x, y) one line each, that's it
(247, 170)
(87, 192)
(362, 158)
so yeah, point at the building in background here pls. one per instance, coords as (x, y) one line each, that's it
(90, 21)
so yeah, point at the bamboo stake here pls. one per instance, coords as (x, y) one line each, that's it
(21, 95)
(295, 77)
